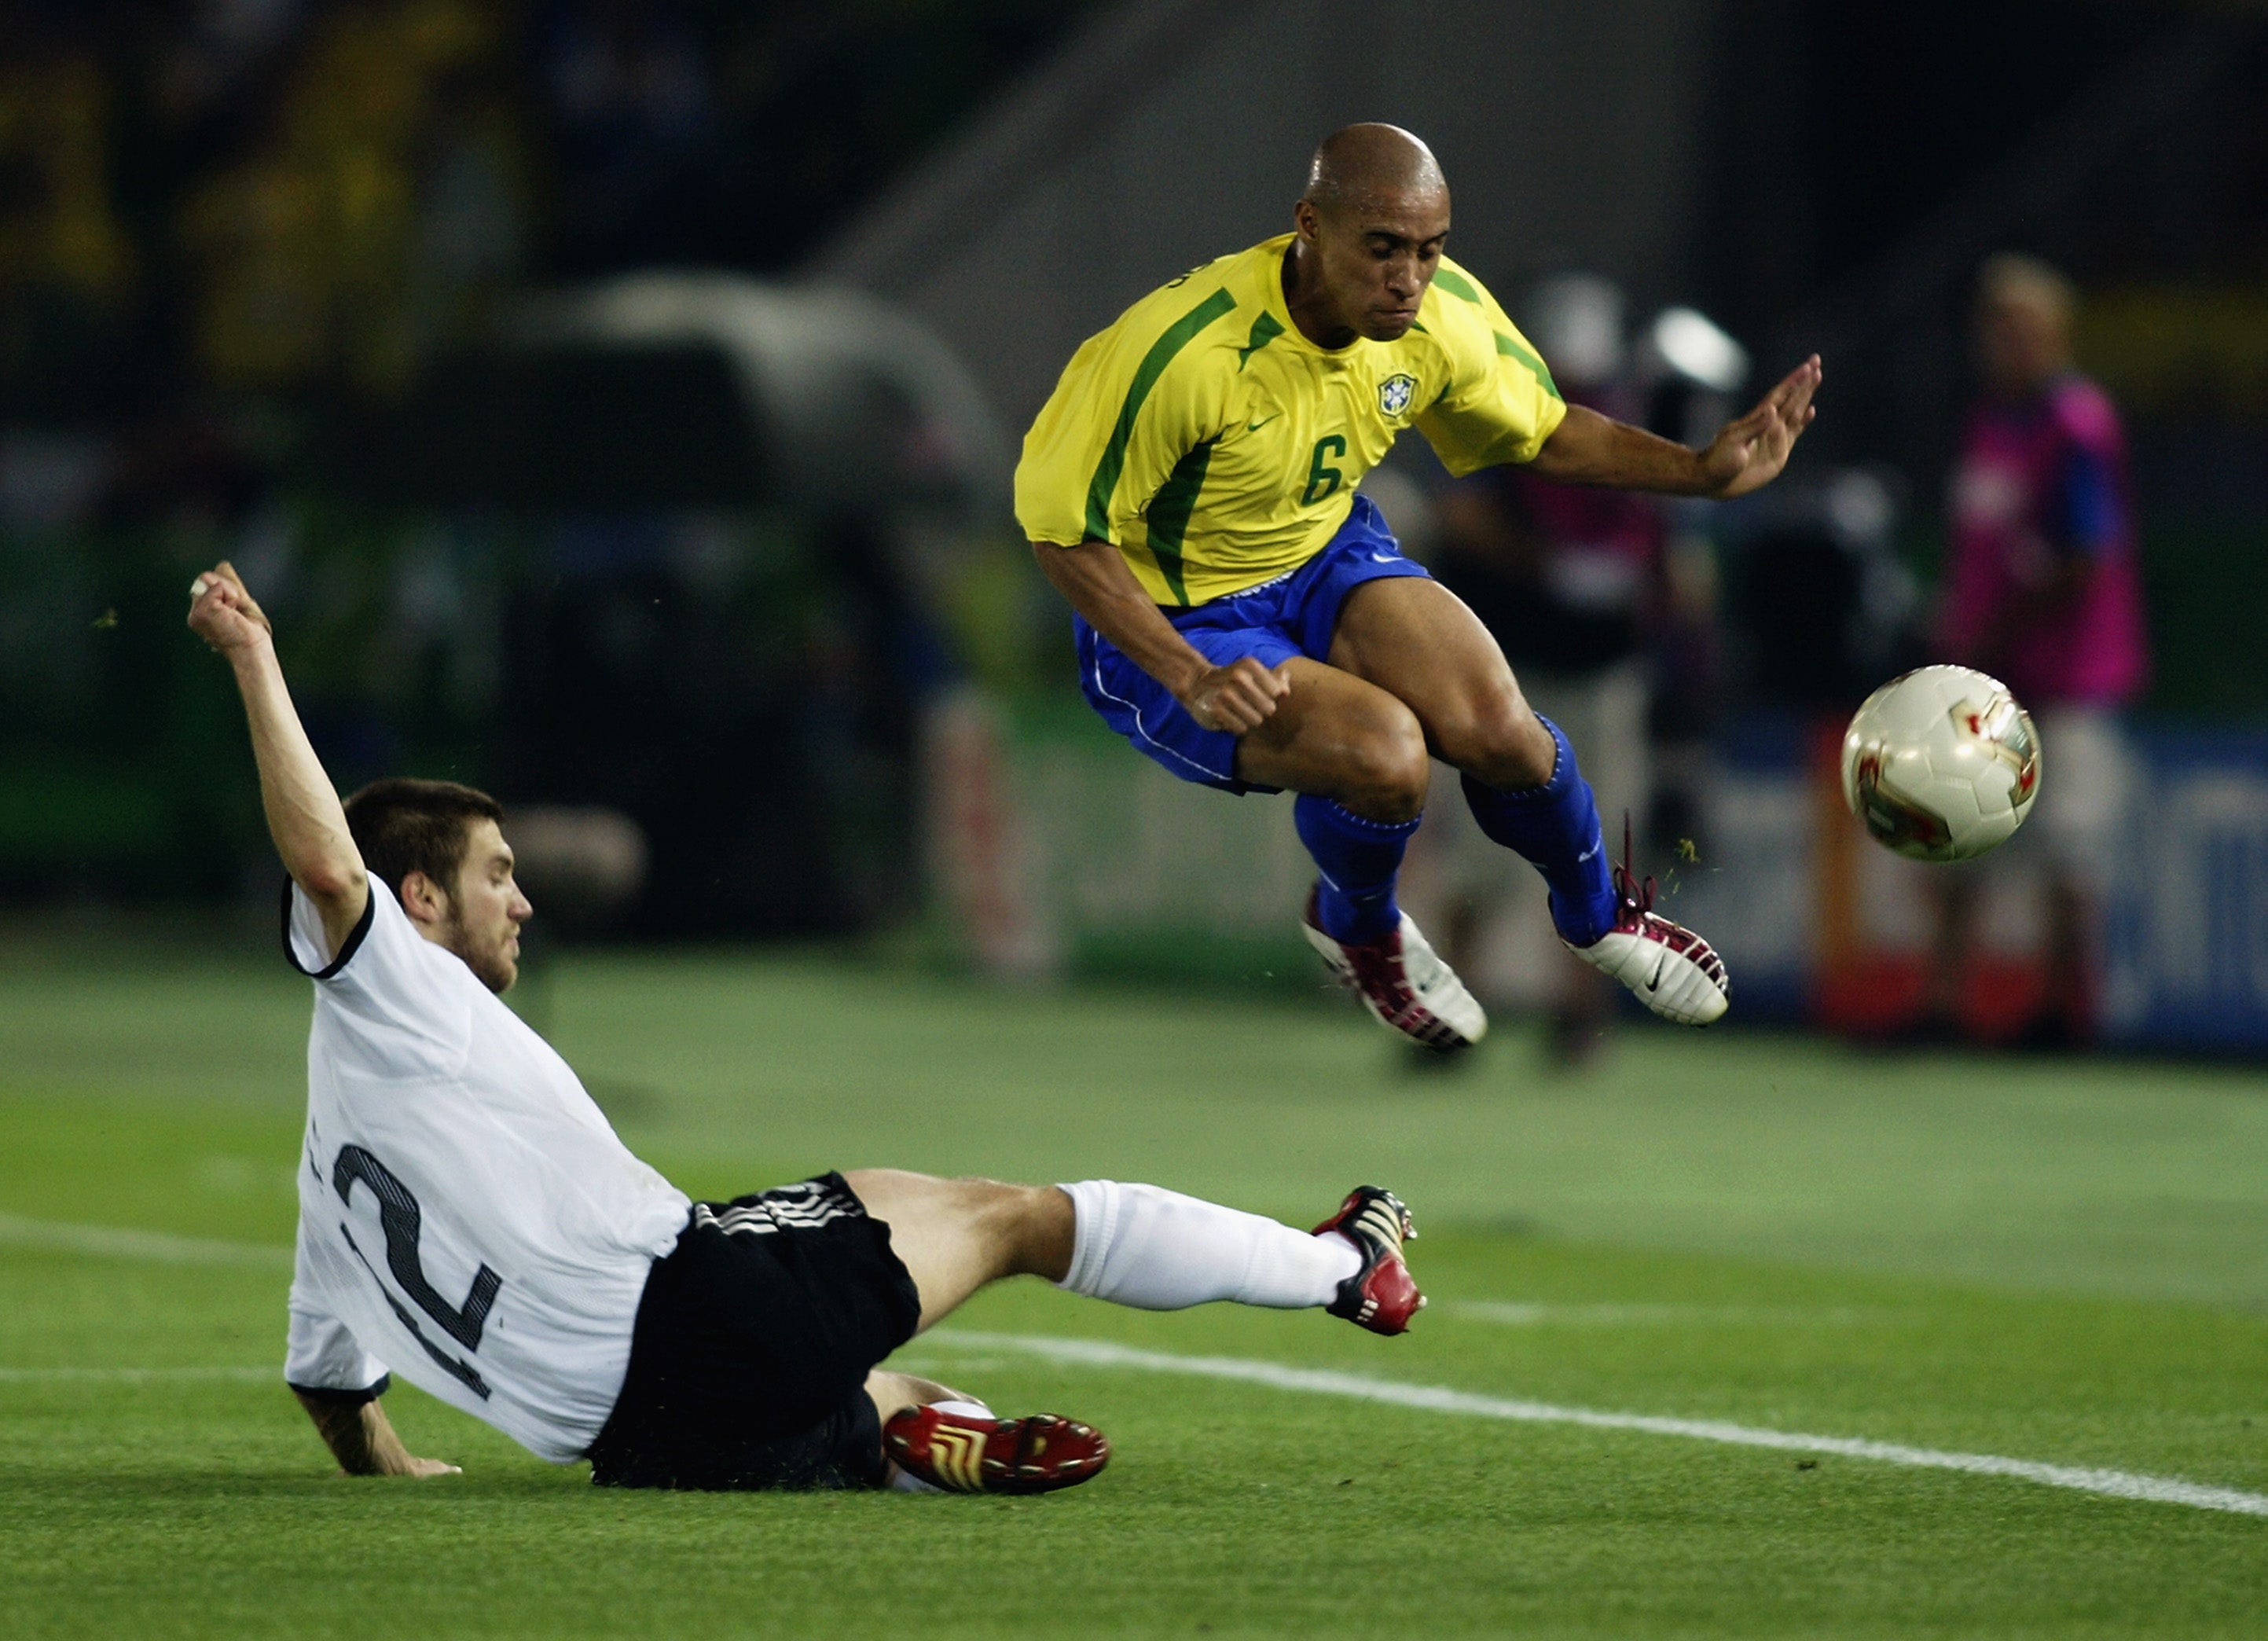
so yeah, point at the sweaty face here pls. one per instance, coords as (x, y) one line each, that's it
(1374, 257)
(486, 910)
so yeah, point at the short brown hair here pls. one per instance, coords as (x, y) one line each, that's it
(403, 826)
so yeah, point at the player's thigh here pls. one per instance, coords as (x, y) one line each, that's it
(953, 1236)
(1336, 736)
(1417, 641)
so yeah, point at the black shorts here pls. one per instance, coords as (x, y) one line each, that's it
(753, 1339)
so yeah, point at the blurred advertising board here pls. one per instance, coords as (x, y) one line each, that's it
(1817, 923)
(1057, 850)
(2186, 927)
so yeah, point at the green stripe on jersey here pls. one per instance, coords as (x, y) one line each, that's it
(1456, 285)
(1264, 330)
(1512, 349)
(1145, 376)
(1169, 515)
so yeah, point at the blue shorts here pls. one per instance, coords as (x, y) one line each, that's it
(1293, 614)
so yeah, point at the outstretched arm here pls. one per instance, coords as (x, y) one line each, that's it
(1588, 448)
(362, 1439)
(304, 813)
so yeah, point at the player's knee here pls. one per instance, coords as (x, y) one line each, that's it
(1498, 741)
(1029, 1228)
(1391, 771)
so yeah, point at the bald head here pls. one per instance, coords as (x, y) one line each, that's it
(1364, 166)
(1370, 230)
(2024, 312)
(2013, 280)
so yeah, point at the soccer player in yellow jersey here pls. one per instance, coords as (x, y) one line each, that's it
(1248, 619)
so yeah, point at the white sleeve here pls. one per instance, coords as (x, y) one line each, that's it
(320, 1354)
(304, 942)
(404, 996)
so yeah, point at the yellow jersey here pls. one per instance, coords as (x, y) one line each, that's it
(1218, 448)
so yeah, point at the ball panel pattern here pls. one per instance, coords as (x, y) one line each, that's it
(1940, 764)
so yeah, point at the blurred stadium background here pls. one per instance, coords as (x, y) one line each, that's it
(614, 404)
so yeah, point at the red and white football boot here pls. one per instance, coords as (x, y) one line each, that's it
(1382, 1296)
(1403, 982)
(962, 1453)
(1671, 969)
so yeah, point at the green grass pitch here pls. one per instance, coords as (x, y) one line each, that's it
(2057, 1262)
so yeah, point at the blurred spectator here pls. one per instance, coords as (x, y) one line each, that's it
(215, 50)
(1566, 579)
(65, 263)
(1822, 608)
(2042, 593)
(374, 204)
(633, 116)
(1688, 371)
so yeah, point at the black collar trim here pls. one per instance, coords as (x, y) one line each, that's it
(372, 889)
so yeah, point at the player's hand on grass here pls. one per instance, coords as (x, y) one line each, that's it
(223, 612)
(362, 1439)
(410, 1464)
(1749, 454)
(1239, 697)
(406, 1464)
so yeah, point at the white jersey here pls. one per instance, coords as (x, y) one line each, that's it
(468, 1218)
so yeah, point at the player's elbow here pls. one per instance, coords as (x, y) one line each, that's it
(1070, 569)
(328, 880)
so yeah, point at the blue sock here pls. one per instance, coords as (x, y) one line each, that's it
(1358, 858)
(1556, 828)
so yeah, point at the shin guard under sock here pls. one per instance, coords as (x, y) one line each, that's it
(1159, 1250)
(1358, 859)
(1555, 827)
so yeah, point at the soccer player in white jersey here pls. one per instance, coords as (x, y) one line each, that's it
(468, 1220)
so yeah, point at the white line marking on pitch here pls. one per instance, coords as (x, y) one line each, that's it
(118, 1243)
(1439, 1399)
(1523, 1314)
(130, 1375)
(115, 1242)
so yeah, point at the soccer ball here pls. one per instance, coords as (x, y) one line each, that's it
(1941, 764)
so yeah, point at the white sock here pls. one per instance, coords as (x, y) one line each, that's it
(1159, 1250)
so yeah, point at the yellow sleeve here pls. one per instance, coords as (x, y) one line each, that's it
(1132, 403)
(1501, 403)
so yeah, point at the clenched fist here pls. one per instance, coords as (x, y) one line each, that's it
(1239, 697)
(223, 613)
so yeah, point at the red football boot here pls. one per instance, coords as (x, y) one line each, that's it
(1382, 1296)
(963, 1453)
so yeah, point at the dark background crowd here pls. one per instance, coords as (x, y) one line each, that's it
(244, 244)
(234, 238)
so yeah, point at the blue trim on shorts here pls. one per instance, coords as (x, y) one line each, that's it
(1293, 614)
